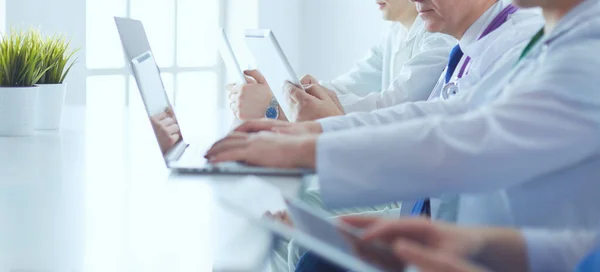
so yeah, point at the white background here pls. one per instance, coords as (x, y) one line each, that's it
(321, 37)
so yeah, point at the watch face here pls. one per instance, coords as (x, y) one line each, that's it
(271, 113)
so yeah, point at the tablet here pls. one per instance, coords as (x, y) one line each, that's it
(231, 62)
(238, 200)
(273, 64)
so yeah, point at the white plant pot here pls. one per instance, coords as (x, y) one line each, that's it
(51, 100)
(18, 110)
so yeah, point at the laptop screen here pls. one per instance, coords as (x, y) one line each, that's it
(161, 114)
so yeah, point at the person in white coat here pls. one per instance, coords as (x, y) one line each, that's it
(408, 61)
(524, 153)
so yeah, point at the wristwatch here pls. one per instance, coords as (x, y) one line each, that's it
(272, 111)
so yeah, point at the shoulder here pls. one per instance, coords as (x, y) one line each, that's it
(504, 46)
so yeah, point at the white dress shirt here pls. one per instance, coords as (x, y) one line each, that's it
(493, 57)
(558, 251)
(403, 67)
(529, 156)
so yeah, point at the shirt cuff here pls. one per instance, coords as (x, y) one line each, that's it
(331, 124)
(329, 175)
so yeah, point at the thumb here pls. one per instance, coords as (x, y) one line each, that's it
(308, 79)
(295, 93)
(256, 75)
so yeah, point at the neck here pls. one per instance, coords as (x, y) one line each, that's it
(556, 11)
(407, 19)
(475, 13)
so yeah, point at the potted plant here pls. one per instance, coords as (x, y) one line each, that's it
(57, 61)
(20, 69)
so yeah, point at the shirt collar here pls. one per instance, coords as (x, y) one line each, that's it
(417, 26)
(478, 27)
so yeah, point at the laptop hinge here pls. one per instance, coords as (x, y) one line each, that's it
(175, 153)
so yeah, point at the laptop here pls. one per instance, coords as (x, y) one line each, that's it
(178, 155)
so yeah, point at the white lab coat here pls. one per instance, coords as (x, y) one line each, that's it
(403, 67)
(528, 156)
(493, 57)
(558, 251)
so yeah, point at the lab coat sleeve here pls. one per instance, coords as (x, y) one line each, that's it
(415, 81)
(395, 114)
(366, 76)
(557, 251)
(547, 122)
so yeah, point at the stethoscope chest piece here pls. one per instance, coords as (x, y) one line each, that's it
(449, 89)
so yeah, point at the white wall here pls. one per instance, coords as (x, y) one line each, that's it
(336, 33)
(2, 15)
(283, 17)
(56, 16)
(323, 38)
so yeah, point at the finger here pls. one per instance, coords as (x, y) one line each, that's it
(295, 93)
(218, 146)
(230, 87)
(231, 97)
(249, 80)
(160, 116)
(317, 91)
(257, 125)
(418, 228)
(167, 121)
(287, 130)
(234, 108)
(234, 105)
(308, 79)
(360, 222)
(236, 89)
(173, 129)
(174, 138)
(256, 75)
(431, 260)
(169, 111)
(237, 155)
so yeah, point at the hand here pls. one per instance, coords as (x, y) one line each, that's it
(282, 127)
(431, 259)
(166, 129)
(250, 100)
(266, 149)
(443, 242)
(315, 102)
(281, 216)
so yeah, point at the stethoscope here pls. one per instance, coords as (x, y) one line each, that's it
(451, 88)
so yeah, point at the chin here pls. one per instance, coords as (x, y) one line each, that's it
(526, 3)
(385, 15)
(432, 27)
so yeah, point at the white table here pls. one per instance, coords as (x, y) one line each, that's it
(96, 196)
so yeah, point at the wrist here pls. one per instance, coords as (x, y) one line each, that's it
(273, 111)
(306, 150)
